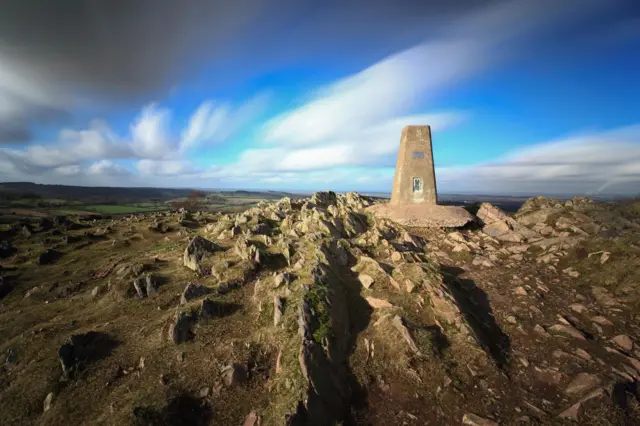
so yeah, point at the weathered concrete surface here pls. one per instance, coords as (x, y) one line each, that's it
(415, 180)
(426, 215)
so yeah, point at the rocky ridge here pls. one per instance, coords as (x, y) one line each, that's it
(313, 311)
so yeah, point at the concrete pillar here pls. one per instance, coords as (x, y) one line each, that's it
(415, 178)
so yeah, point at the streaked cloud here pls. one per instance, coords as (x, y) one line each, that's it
(584, 163)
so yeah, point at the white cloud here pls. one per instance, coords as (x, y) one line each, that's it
(73, 170)
(381, 93)
(587, 163)
(204, 124)
(214, 123)
(375, 145)
(107, 168)
(176, 168)
(151, 137)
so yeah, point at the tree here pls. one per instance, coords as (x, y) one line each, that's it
(191, 202)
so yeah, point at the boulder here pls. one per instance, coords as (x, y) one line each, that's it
(398, 323)
(260, 229)
(278, 309)
(471, 419)
(376, 303)
(624, 342)
(234, 374)
(47, 402)
(582, 383)
(48, 256)
(324, 198)
(138, 284)
(194, 291)
(180, 328)
(26, 231)
(151, 284)
(197, 249)
(280, 279)
(567, 330)
(365, 280)
(159, 226)
(500, 226)
(247, 251)
(573, 412)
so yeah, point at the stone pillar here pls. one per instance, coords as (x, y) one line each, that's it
(415, 178)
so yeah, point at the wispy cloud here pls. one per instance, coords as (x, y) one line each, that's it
(177, 168)
(150, 140)
(107, 168)
(214, 123)
(395, 86)
(584, 163)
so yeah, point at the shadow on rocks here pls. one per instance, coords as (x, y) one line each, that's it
(85, 349)
(336, 395)
(476, 309)
(183, 409)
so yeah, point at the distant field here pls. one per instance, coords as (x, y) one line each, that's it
(123, 209)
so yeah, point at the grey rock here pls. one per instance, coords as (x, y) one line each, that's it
(180, 329)
(574, 411)
(12, 358)
(324, 198)
(281, 278)
(582, 383)
(398, 323)
(65, 354)
(365, 280)
(260, 229)
(48, 401)
(26, 231)
(233, 375)
(600, 320)
(278, 309)
(624, 342)
(139, 286)
(194, 291)
(475, 420)
(151, 283)
(197, 249)
(567, 330)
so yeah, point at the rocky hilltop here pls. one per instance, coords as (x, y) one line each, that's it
(315, 312)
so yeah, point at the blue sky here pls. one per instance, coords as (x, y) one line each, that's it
(522, 96)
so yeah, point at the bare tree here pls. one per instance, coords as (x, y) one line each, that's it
(192, 202)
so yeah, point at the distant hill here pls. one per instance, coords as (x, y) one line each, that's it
(85, 192)
(16, 190)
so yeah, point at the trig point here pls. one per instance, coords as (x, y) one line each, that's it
(415, 178)
(414, 197)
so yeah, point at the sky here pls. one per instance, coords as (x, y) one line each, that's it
(522, 96)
